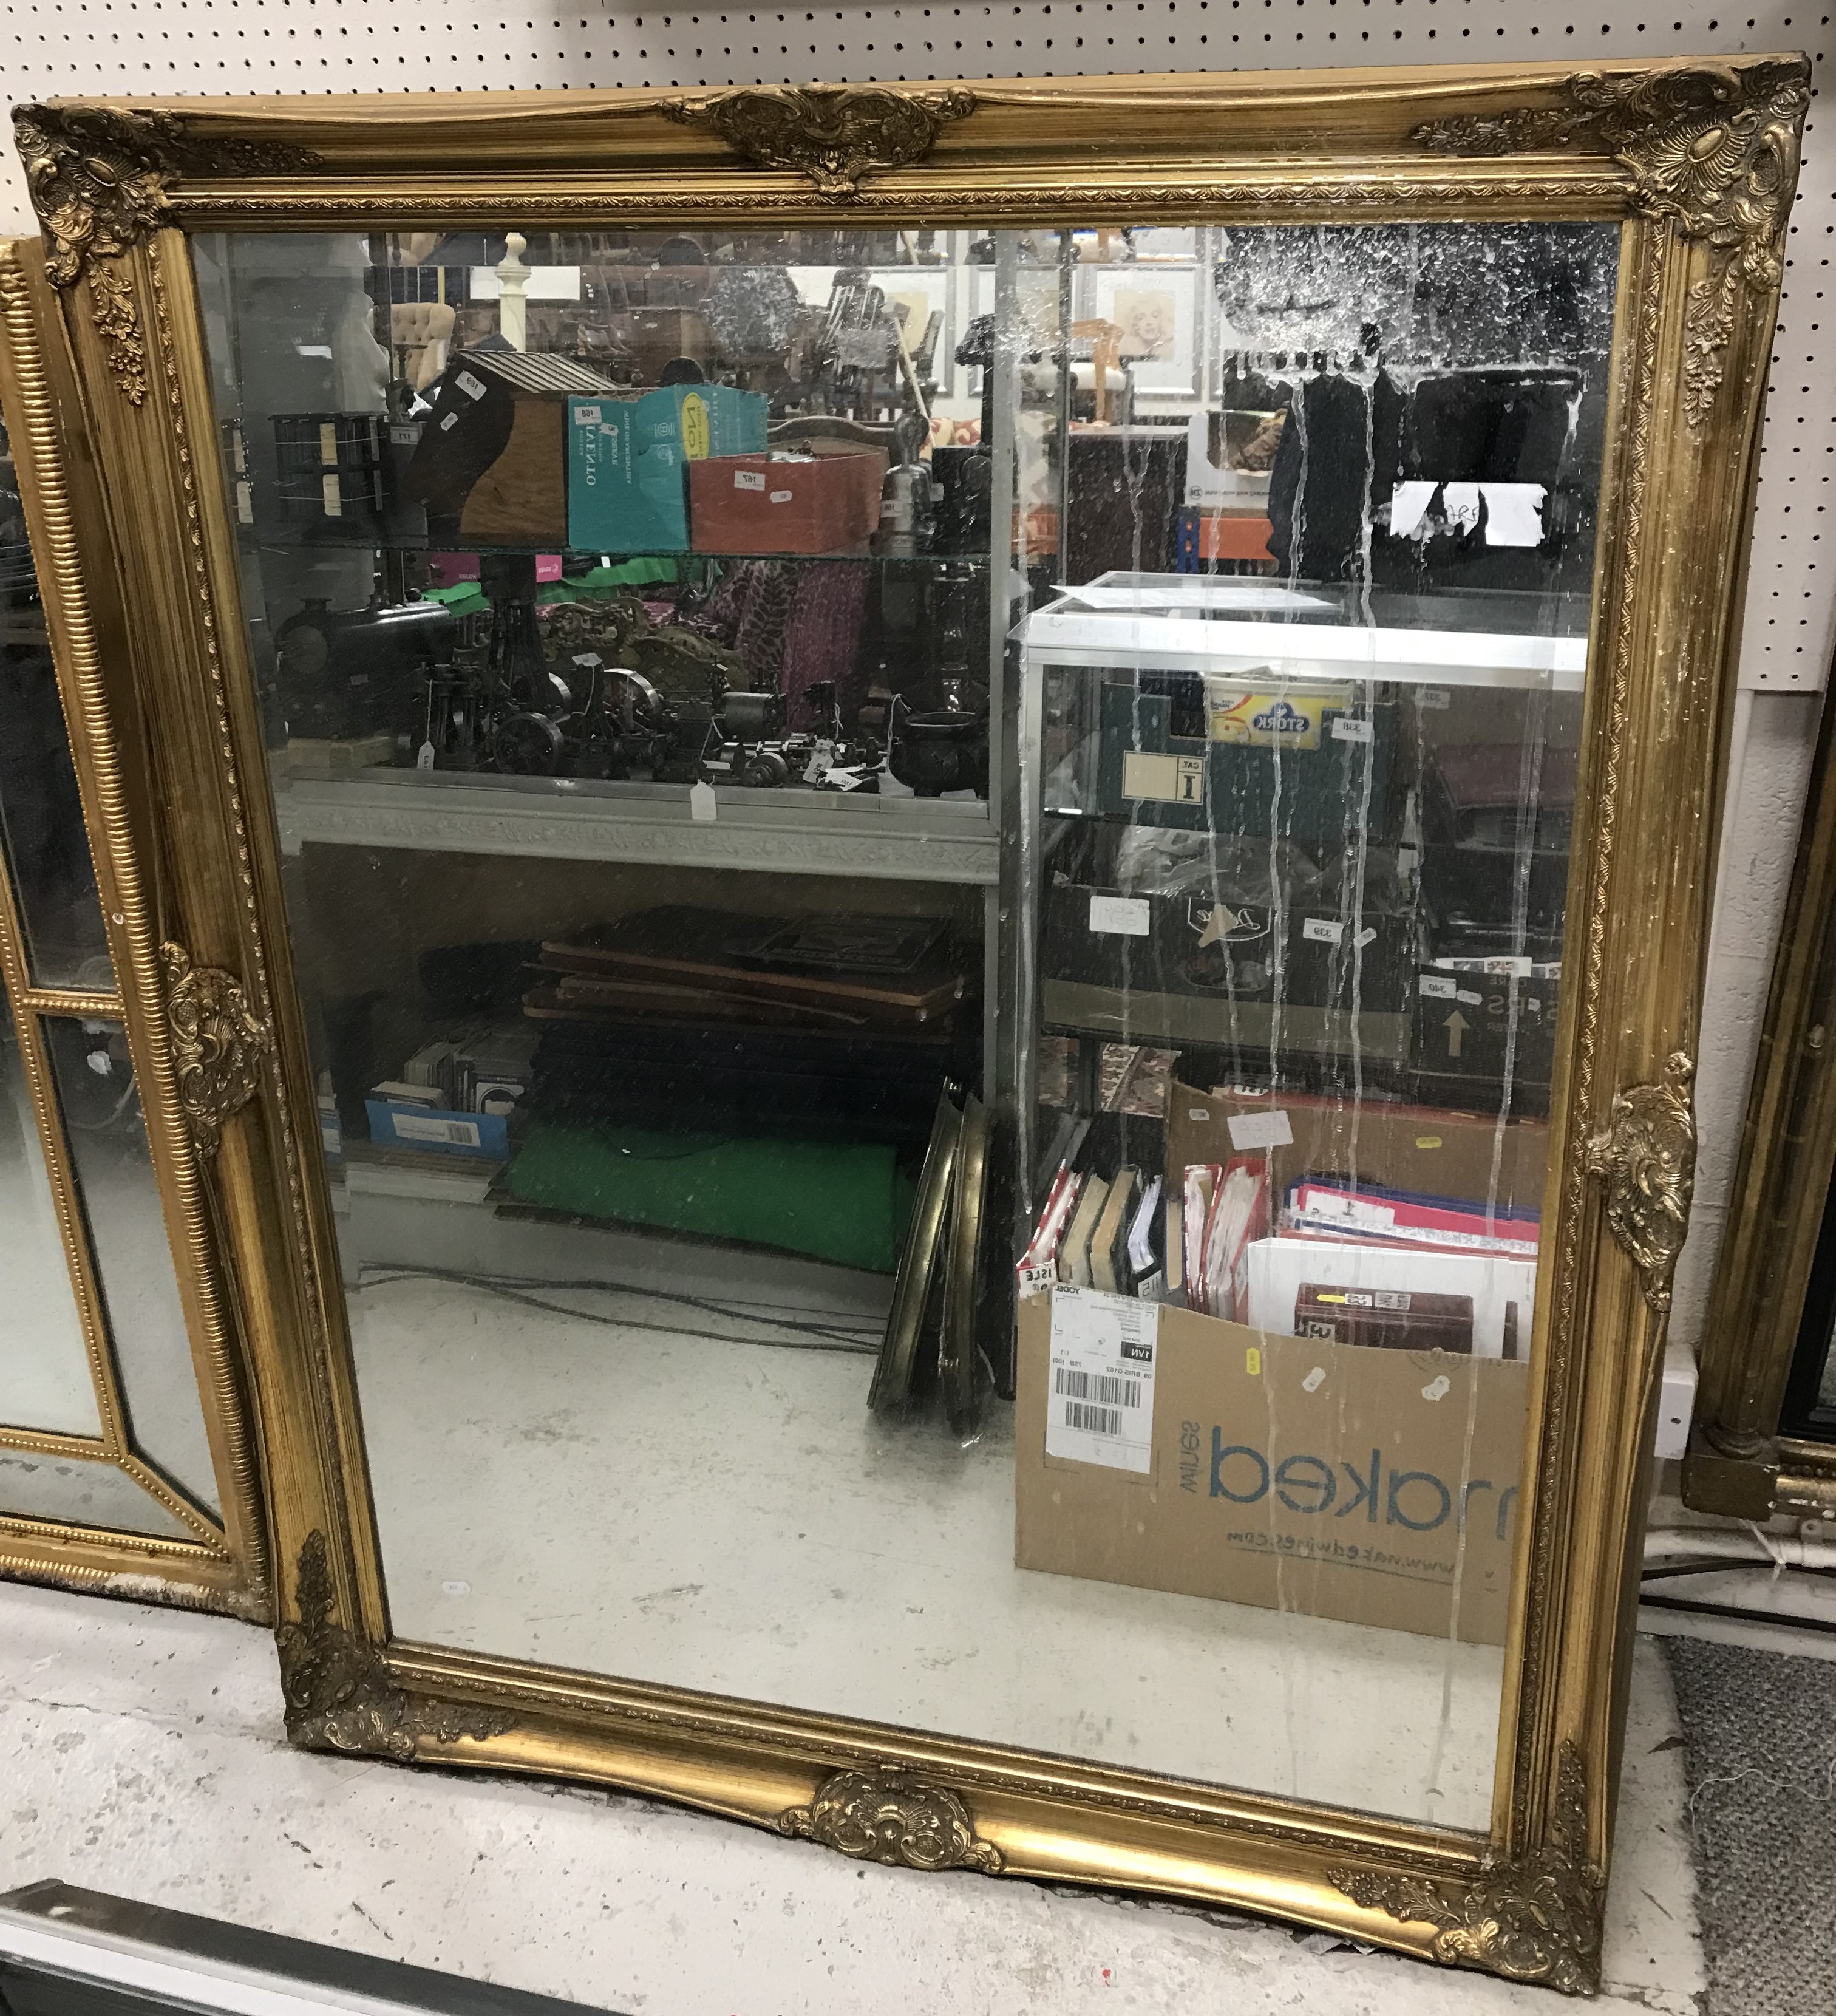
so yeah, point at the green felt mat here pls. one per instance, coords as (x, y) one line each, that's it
(834, 1202)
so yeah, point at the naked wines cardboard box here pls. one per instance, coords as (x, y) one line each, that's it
(1166, 1450)
(1428, 1151)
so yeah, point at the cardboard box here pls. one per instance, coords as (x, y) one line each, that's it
(1429, 1151)
(490, 466)
(1468, 1026)
(627, 461)
(761, 504)
(402, 1123)
(1377, 1487)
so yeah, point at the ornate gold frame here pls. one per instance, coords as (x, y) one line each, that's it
(1697, 163)
(1738, 1463)
(220, 1568)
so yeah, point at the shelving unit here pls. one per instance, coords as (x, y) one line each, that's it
(788, 831)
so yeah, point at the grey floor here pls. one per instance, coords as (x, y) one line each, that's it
(144, 1754)
(1760, 1752)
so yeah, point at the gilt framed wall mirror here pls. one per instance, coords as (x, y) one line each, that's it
(932, 865)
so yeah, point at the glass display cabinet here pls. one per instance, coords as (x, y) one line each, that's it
(933, 866)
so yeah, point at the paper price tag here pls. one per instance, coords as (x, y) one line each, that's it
(1438, 987)
(1100, 1383)
(1123, 916)
(817, 768)
(1349, 728)
(1323, 931)
(328, 442)
(424, 756)
(470, 386)
(1260, 1130)
(701, 805)
(1035, 1277)
(749, 479)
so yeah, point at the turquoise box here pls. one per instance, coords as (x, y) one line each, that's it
(627, 461)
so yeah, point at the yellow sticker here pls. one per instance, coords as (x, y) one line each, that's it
(694, 428)
(1324, 1298)
(1427, 1140)
(1252, 1360)
(1265, 719)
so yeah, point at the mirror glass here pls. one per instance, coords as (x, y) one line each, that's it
(927, 872)
(42, 843)
(45, 1379)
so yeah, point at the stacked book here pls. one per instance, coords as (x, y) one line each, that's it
(1356, 1263)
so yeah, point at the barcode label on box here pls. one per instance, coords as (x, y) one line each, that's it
(451, 1133)
(781, 496)
(1099, 1402)
(328, 441)
(1103, 1387)
(1092, 1421)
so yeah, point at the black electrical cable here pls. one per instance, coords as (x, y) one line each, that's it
(1787, 1618)
(1658, 1570)
(513, 1289)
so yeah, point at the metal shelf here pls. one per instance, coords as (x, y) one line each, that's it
(1166, 624)
(787, 831)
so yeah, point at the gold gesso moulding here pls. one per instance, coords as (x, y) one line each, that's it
(218, 1567)
(1698, 160)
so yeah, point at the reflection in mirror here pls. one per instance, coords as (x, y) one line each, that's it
(42, 842)
(45, 1379)
(72, 1490)
(639, 623)
(113, 1166)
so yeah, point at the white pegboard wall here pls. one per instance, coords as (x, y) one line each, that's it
(167, 47)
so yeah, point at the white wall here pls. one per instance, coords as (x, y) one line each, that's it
(49, 48)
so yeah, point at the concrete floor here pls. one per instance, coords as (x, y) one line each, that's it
(143, 1755)
(715, 1514)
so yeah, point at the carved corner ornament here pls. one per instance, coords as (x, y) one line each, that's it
(97, 177)
(1645, 1157)
(885, 1815)
(340, 1695)
(835, 135)
(217, 1044)
(1534, 1920)
(1714, 147)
